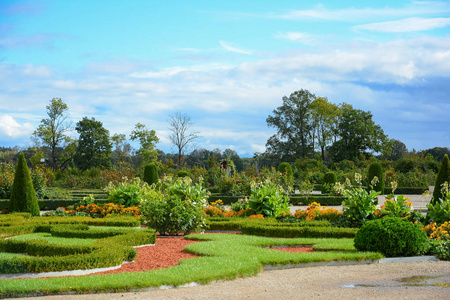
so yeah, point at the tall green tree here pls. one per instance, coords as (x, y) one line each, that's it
(23, 196)
(148, 140)
(94, 146)
(325, 117)
(358, 134)
(294, 128)
(53, 130)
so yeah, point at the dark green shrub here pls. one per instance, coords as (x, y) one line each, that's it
(329, 179)
(443, 176)
(23, 196)
(285, 168)
(183, 173)
(375, 169)
(405, 165)
(392, 237)
(151, 174)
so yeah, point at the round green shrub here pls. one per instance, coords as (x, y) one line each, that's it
(182, 174)
(151, 174)
(443, 176)
(375, 169)
(392, 237)
(285, 168)
(329, 179)
(23, 197)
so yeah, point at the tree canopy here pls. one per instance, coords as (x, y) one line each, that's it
(94, 146)
(53, 130)
(293, 122)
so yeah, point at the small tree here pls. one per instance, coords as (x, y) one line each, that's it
(151, 174)
(376, 170)
(442, 176)
(23, 196)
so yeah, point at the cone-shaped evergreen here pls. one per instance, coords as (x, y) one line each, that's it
(23, 196)
(442, 176)
(151, 174)
(375, 169)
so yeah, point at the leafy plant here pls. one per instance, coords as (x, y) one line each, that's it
(359, 204)
(268, 199)
(128, 193)
(376, 170)
(176, 208)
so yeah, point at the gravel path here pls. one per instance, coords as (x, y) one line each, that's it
(412, 280)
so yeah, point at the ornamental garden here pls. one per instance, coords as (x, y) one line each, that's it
(46, 228)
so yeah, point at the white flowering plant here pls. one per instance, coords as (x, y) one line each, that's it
(176, 207)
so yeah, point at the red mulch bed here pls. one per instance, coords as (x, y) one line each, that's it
(167, 252)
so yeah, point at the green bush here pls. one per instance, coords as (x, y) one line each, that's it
(151, 174)
(176, 208)
(376, 170)
(392, 237)
(405, 165)
(127, 193)
(268, 198)
(23, 196)
(329, 179)
(183, 173)
(443, 176)
(285, 168)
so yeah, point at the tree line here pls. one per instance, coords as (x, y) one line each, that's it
(308, 127)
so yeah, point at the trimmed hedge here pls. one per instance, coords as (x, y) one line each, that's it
(298, 231)
(54, 257)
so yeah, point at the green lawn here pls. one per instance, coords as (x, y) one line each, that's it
(222, 256)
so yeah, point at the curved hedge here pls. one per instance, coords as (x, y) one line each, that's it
(111, 249)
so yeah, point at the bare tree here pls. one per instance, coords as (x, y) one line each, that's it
(179, 125)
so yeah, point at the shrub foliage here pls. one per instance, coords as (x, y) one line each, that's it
(23, 196)
(392, 237)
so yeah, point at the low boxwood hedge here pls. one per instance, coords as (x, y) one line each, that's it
(298, 231)
(54, 257)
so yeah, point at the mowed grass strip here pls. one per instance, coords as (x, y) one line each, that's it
(223, 257)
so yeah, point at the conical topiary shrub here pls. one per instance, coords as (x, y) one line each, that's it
(151, 174)
(442, 176)
(375, 169)
(23, 196)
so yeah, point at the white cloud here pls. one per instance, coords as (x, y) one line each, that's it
(406, 25)
(354, 14)
(300, 37)
(228, 47)
(11, 128)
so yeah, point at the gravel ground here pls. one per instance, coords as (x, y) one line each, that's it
(412, 280)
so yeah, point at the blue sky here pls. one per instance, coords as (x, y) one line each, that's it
(227, 64)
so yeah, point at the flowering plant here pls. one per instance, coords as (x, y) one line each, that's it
(395, 206)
